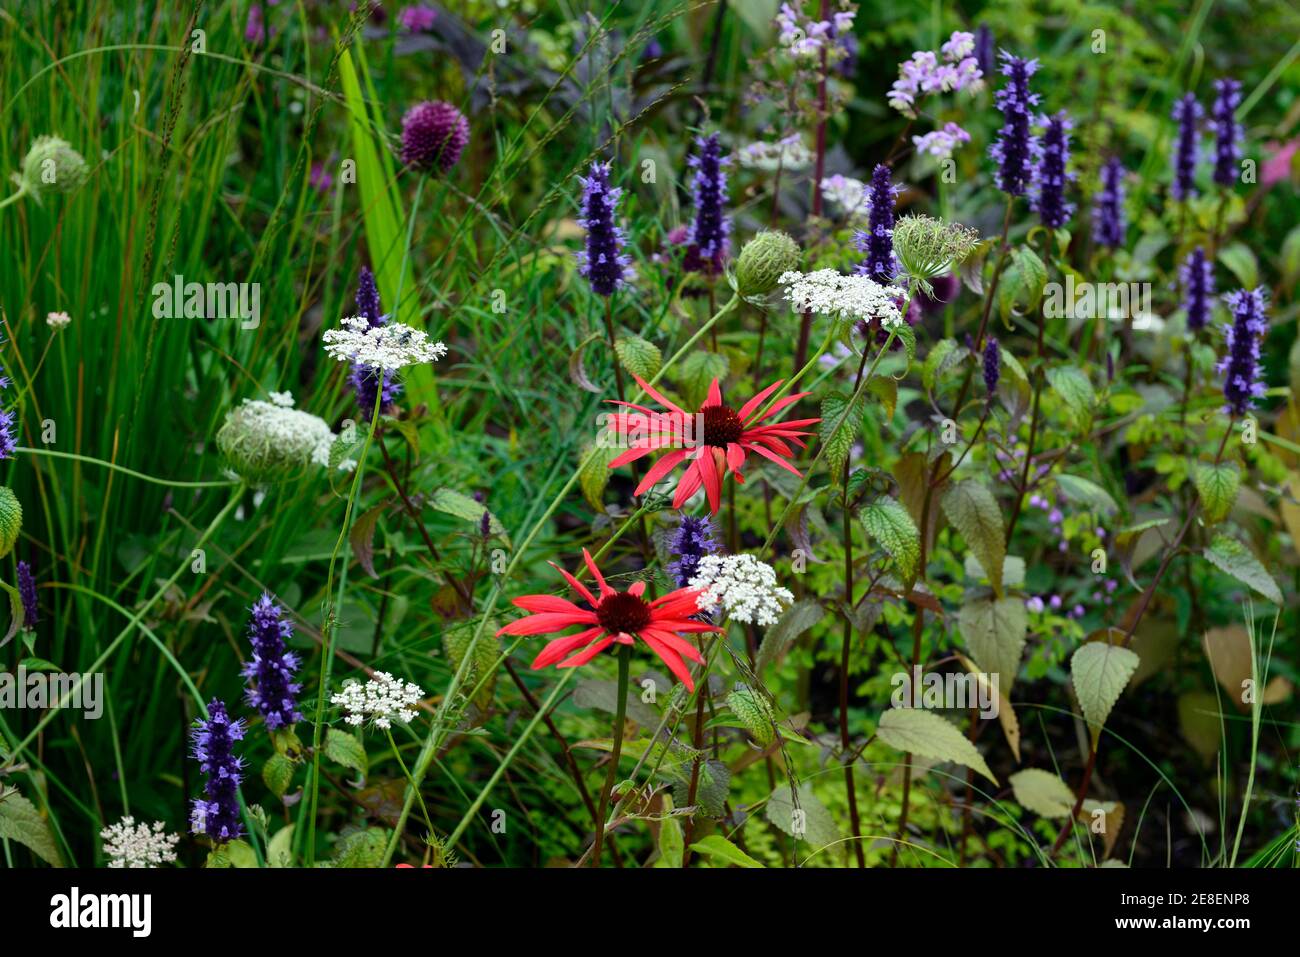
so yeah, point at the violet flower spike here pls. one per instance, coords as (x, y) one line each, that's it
(1016, 147)
(877, 241)
(1227, 131)
(1242, 375)
(1052, 174)
(709, 233)
(364, 379)
(692, 540)
(217, 813)
(992, 365)
(603, 262)
(272, 690)
(1187, 114)
(27, 593)
(1109, 225)
(1197, 277)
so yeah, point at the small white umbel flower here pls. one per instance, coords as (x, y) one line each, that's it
(381, 700)
(741, 586)
(127, 844)
(390, 347)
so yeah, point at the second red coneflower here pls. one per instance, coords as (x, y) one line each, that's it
(714, 442)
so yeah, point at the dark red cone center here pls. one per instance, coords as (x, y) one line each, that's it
(722, 426)
(622, 612)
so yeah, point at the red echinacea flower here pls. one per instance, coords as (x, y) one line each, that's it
(616, 616)
(712, 443)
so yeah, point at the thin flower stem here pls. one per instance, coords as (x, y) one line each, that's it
(611, 775)
(613, 352)
(407, 774)
(22, 191)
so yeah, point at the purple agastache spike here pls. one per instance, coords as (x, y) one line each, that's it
(1016, 147)
(1053, 174)
(602, 262)
(708, 236)
(992, 365)
(7, 442)
(1108, 222)
(692, 540)
(1187, 114)
(877, 240)
(1227, 131)
(27, 592)
(365, 380)
(217, 813)
(1197, 277)
(368, 298)
(272, 690)
(984, 52)
(1242, 375)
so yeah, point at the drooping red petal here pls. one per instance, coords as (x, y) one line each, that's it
(672, 660)
(777, 459)
(735, 457)
(558, 648)
(689, 485)
(679, 645)
(549, 603)
(582, 657)
(546, 623)
(660, 469)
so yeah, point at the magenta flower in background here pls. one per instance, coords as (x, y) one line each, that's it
(216, 814)
(1053, 174)
(416, 19)
(272, 690)
(1242, 375)
(603, 262)
(1187, 114)
(1016, 147)
(1197, 276)
(434, 134)
(321, 179)
(1227, 131)
(254, 28)
(1108, 222)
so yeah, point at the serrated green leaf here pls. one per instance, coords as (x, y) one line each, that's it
(755, 713)
(638, 356)
(1217, 486)
(463, 506)
(279, 850)
(1075, 389)
(456, 641)
(1042, 792)
(698, 372)
(1241, 262)
(11, 520)
(361, 848)
(1013, 570)
(809, 821)
(671, 842)
(798, 618)
(343, 748)
(974, 512)
(277, 772)
(1099, 671)
(841, 418)
(22, 823)
(718, 848)
(944, 355)
(995, 631)
(922, 732)
(1020, 288)
(593, 474)
(1229, 555)
(887, 522)
(1088, 493)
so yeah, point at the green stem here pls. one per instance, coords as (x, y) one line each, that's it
(620, 719)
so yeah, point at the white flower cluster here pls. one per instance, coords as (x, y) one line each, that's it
(294, 435)
(389, 347)
(742, 586)
(785, 154)
(57, 320)
(383, 699)
(127, 844)
(829, 293)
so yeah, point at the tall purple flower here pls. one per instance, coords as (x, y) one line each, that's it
(1227, 131)
(877, 240)
(1053, 174)
(27, 592)
(992, 365)
(7, 442)
(365, 380)
(1242, 376)
(984, 52)
(1108, 222)
(692, 540)
(1197, 277)
(708, 237)
(1016, 147)
(1187, 114)
(603, 262)
(434, 134)
(216, 814)
(272, 690)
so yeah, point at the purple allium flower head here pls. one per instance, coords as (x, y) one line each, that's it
(1108, 222)
(693, 539)
(1015, 147)
(27, 592)
(434, 134)
(1053, 174)
(416, 19)
(603, 262)
(254, 27)
(992, 365)
(984, 52)
(1242, 376)
(1227, 131)
(877, 240)
(1187, 114)
(217, 813)
(1197, 277)
(709, 244)
(364, 379)
(272, 690)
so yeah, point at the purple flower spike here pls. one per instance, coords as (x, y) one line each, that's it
(1242, 376)
(984, 50)
(603, 262)
(693, 539)
(1108, 222)
(1015, 147)
(1197, 276)
(217, 813)
(992, 365)
(877, 241)
(1052, 174)
(1187, 114)
(434, 134)
(365, 380)
(710, 231)
(272, 690)
(27, 592)
(1227, 131)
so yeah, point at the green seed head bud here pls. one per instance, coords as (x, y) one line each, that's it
(263, 442)
(928, 247)
(763, 260)
(51, 164)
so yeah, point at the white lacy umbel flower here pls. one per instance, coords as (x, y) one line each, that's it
(389, 347)
(786, 154)
(829, 293)
(742, 586)
(57, 320)
(273, 441)
(127, 844)
(846, 193)
(381, 700)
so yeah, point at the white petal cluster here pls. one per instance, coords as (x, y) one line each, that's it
(742, 586)
(381, 700)
(829, 293)
(263, 439)
(785, 154)
(389, 347)
(127, 844)
(57, 320)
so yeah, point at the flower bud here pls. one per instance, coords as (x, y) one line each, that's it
(51, 164)
(763, 260)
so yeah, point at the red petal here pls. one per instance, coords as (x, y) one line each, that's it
(595, 573)
(708, 466)
(715, 395)
(672, 660)
(551, 603)
(576, 585)
(755, 402)
(661, 469)
(582, 657)
(557, 649)
(649, 390)
(679, 645)
(544, 624)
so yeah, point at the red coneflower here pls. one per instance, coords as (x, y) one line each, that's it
(616, 616)
(718, 444)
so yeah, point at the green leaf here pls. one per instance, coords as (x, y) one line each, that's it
(1042, 792)
(1075, 389)
(345, 749)
(363, 848)
(1231, 556)
(277, 772)
(1241, 262)
(798, 618)
(1100, 671)
(974, 512)
(886, 390)
(463, 506)
(1087, 493)
(944, 355)
(1217, 485)
(456, 641)
(1013, 570)
(718, 848)
(995, 631)
(1290, 257)
(593, 474)
(671, 842)
(22, 823)
(925, 733)
(279, 850)
(1020, 288)
(602, 695)
(11, 520)
(698, 372)
(638, 356)
(887, 522)
(907, 335)
(809, 821)
(839, 427)
(755, 713)
(362, 538)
